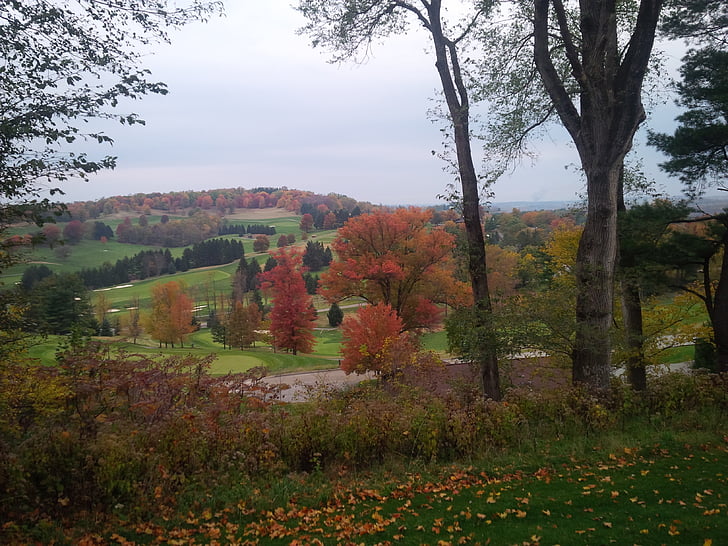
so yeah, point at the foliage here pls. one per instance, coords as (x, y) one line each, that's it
(292, 315)
(374, 341)
(242, 324)
(335, 315)
(170, 320)
(395, 258)
(136, 440)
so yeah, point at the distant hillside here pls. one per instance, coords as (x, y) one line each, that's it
(508, 206)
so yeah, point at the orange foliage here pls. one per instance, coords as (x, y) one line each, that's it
(396, 259)
(372, 340)
(171, 317)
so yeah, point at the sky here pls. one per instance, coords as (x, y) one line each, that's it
(252, 104)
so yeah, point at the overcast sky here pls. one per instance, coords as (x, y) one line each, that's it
(252, 104)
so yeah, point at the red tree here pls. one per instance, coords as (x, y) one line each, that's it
(306, 224)
(74, 231)
(397, 259)
(293, 315)
(373, 340)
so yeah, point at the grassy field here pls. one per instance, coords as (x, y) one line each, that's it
(648, 482)
(663, 493)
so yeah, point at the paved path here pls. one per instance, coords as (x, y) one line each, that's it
(300, 384)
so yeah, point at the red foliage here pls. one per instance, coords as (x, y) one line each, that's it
(373, 340)
(293, 315)
(397, 259)
(306, 223)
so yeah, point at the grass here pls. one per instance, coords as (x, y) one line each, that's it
(641, 486)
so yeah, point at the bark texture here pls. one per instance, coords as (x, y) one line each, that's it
(609, 83)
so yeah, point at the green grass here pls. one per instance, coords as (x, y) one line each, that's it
(325, 355)
(669, 487)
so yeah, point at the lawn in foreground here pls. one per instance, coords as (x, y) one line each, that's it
(664, 493)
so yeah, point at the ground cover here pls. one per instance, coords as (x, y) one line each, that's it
(646, 485)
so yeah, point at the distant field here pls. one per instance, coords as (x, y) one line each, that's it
(202, 282)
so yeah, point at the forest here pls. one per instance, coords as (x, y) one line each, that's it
(522, 376)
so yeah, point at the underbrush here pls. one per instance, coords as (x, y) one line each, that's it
(129, 438)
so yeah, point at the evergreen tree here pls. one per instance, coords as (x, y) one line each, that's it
(335, 315)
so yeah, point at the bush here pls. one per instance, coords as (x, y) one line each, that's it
(123, 431)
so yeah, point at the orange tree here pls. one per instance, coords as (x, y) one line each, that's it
(370, 339)
(171, 318)
(396, 259)
(292, 316)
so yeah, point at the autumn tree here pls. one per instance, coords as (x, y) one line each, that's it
(395, 258)
(241, 325)
(348, 29)
(261, 243)
(306, 224)
(292, 316)
(374, 340)
(584, 64)
(170, 320)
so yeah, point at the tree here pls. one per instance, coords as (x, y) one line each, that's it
(349, 28)
(59, 303)
(133, 326)
(335, 315)
(292, 316)
(171, 318)
(306, 224)
(372, 338)
(585, 64)
(316, 256)
(74, 231)
(241, 325)
(66, 63)
(397, 259)
(261, 243)
(698, 149)
(643, 231)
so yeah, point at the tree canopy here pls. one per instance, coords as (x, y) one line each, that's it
(65, 63)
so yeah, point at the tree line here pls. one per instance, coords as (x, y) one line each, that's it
(146, 264)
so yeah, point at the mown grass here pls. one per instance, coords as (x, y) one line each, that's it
(652, 482)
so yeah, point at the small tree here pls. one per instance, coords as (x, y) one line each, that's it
(306, 224)
(335, 315)
(372, 338)
(261, 243)
(292, 316)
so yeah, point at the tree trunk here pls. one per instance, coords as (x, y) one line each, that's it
(456, 96)
(609, 81)
(631, 314)
(595, 266)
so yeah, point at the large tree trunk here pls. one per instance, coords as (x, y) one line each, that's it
(602, 127)
(595, 266)
(456, 96)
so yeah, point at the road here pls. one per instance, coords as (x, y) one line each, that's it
(301, 384)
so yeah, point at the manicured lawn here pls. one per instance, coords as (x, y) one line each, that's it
(666, 492)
